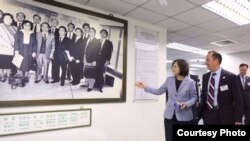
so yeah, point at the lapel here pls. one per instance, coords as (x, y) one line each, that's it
(39, 38)
(222, 82)
(48, 40)
(205, 82)
(239, 81)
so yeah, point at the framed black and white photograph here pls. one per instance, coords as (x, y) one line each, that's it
(53, 53)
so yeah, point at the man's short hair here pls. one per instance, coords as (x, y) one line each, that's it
(242, 65)
(216, 55)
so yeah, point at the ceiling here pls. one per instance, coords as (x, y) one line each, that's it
(186, 22)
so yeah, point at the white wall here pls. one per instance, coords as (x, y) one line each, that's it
(231, 62)
(115, 121)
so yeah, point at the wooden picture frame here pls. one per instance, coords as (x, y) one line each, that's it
(114, 75)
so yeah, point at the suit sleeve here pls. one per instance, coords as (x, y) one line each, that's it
(34, 43)
(237, 100)
(158, 91)
(193, 95)
(109, 54)
(202, 98)
(97, 48)
(52, 46)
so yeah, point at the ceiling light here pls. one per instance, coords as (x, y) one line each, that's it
(198, 66)
(193, 69)
(197, 60)
(169, 61)
(187, 48)
(163, 3)
(237, 11)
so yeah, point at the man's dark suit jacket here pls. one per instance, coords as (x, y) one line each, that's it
(229, 101)
(91, 50)
(245, 93)
(77, 49)
(105, 53)
(61, 46)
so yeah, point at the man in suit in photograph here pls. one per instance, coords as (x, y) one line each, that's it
(104, 56)
(244, 86)
(62, 44)
(54, 30)
(36, 23)
(20, 17)
(71, 36)
(85, 36)
(90, 59)
(45, 51)
(86, 28)
(77, 52)
(220, 99)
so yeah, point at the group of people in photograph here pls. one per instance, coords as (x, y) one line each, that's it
(74, 52)
(224, 97)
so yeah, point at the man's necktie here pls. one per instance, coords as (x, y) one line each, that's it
(35, 29)
(20, 26)
(211, 89)
(244, 82)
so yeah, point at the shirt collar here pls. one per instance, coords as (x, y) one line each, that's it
(218, 71)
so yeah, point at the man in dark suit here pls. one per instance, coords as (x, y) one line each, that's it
(220, 99)
(36, 23)
(20, 17)
(244, 86)
(54, 30)
(71, 36)
(104, 56)
(86, 29)
(62, 44)
(85, 37)
(195, 108)
(77, 52)
(90, 59)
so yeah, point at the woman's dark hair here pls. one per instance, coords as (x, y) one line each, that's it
(183, 65)
(11, 16)
(1, 11)
(27, 21)
(1, 18)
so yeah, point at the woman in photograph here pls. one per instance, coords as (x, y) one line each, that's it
(7, 39)
(1, 16)
(24, 45)
(182, 96)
